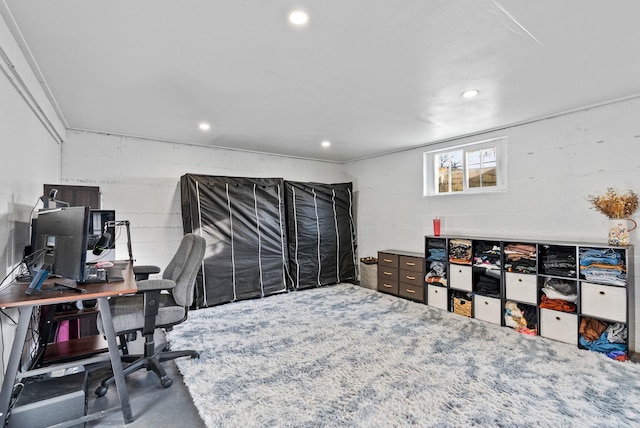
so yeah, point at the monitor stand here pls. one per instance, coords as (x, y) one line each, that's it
(57, 286)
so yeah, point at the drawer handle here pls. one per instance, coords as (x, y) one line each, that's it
(411, 277)
(435, 291)
(558, 318)
(410, 290)
(519, 279)
(410, 264)
(387, 260)
(459, 270)
(602, 293)
(486, 303)
(386, 285)
(388, 273)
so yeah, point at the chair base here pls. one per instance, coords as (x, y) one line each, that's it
(151, 363)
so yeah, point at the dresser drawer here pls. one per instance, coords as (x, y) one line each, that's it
(415, 264)
(521, 287)
(410, 277)
(604, 301)
(413, 292)
(559, 326)
(388, 260)
(387, 273)
(437, 297)
(460, 277)
(487, 309)
(388, 286)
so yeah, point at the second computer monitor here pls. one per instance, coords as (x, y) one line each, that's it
(101, 221)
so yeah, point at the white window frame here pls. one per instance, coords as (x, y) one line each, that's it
(430, 169)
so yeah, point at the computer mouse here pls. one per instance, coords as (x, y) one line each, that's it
(104, 264)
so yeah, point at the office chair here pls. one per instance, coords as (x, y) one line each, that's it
(150, 309)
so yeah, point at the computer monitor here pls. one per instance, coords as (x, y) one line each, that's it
(97, 221)
(60, 241)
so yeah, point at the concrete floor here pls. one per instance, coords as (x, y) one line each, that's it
(152, 405)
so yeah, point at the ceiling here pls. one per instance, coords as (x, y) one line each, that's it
(372, 77)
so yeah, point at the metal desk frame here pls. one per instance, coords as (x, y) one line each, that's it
(14, 296)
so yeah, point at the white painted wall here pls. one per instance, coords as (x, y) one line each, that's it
(553, 165)
(30, 157)
(140, 179)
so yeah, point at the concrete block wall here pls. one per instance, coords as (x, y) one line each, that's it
(553, 166)
(140, 179)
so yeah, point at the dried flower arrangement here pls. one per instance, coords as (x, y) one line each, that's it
(615, 205)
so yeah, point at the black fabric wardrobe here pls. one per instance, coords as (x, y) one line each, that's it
(243, 221)
(321, 231)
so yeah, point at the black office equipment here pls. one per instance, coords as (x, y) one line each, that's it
(51, 401)
(60, 240)
(93, 274)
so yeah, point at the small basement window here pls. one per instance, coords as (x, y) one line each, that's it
(478, 167)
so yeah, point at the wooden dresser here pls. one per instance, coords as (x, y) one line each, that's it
(401, 273)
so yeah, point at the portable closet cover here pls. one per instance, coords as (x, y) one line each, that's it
(243, 222)
(321, 231)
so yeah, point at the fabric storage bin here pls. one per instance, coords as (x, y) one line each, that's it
(369, 275)
(521, 287)
(561, 326)
(604, 301)
(460, 277)
(437, 296)
(487, 309)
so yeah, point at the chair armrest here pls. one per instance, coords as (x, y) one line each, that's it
(143, 271)
(155, 284)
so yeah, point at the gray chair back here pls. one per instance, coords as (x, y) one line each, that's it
(184, 266)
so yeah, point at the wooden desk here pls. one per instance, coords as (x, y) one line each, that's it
(14, 296)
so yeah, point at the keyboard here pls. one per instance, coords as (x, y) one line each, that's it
(93, 274)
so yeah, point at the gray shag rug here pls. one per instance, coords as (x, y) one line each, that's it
(348, 356)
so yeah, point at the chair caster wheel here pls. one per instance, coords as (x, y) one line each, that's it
(195, 356)
(101, 391)
(166, 382)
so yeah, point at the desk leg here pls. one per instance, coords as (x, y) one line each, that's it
(116, 363)
(14, 361)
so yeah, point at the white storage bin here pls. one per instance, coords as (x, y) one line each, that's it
(460, 277)
(487, 309)
(521, 288)
(604, 301)
(561, 326)
(437, 296)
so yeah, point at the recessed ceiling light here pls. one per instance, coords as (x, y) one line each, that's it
(298, 17)
(470, 93)
(204, 126)
(326, 143)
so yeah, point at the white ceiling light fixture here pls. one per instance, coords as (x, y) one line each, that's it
(204, 126)
(326, 143)
(299, 17)
(470, 93)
